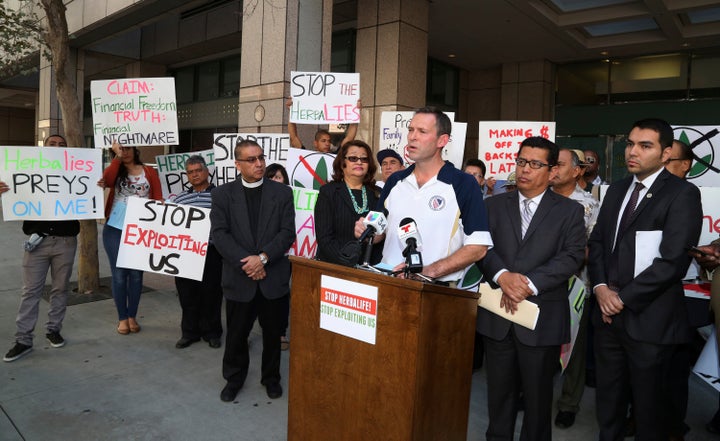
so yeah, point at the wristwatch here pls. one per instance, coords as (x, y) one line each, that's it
(263, 258)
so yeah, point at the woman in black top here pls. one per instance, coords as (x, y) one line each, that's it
(350, 196)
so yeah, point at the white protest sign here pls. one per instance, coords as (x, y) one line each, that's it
(711, 214)
(164, 238)
(51, 183)
(171, 169)
(305, 244)
(576, 298)
(348, 308)
(275, 148)
(134, 111)
(324, 97)
(705, 144)
(394, 130)
(309, 169)
(499, 142)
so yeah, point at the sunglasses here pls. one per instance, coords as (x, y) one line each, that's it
(363, 159)
(252, 159)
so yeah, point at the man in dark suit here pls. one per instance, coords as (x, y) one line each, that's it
(539, 243)
(640, 313)
(253, 226)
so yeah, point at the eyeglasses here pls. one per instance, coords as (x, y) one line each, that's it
(590, 160)
(363, 159)
(252, 159)
(677, 159)
(522, 162)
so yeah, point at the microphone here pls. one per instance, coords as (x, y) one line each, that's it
(375, 223)
(408, 234)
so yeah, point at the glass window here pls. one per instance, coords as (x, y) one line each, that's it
(208, 81)
(583, 83)
(342, 58)
(230, 77)
(654, 77)
(443, 83)
(184, 84)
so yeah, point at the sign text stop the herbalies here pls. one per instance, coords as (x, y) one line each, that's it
(324, 97)
(348, 308)
(134, 112)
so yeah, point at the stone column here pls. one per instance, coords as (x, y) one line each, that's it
(528, 91)
(391, 57)
(279, 37)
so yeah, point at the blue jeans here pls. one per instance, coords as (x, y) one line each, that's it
(126, 283)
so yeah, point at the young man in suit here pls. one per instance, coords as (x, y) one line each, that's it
(253, 226)
(640, 313)
(539, 243)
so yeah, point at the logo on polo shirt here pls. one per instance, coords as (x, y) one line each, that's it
(436, 203)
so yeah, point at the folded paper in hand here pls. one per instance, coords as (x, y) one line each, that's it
(526, 314)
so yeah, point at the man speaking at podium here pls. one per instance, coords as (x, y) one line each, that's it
(446, 204)
(539, 243)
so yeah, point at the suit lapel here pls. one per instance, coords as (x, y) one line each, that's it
(654, 189)
(267, 205)
(239, 199)
(546, 204)
(344, 195)
(513, 208)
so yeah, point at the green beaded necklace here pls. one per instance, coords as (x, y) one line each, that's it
(364, 208)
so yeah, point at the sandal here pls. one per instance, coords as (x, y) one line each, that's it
(134, 327)
(123, 327)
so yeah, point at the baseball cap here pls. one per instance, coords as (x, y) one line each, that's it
(510, 180)
(581, 156)
(386, 153)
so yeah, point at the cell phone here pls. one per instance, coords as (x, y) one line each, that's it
(698, 251)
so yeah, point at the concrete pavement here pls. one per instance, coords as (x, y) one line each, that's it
(106, 386)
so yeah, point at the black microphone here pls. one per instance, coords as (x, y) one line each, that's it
(408, 234)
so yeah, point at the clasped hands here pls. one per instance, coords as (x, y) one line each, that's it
(515, 288)
(609, 302)
(253, 267)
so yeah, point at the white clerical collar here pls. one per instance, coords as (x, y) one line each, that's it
(255, 184)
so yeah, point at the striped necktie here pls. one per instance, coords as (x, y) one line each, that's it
(527, 215)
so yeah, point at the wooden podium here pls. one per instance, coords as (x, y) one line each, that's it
(412, 384)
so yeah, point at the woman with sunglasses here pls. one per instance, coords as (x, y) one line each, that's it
(350, 196)
(126, 177)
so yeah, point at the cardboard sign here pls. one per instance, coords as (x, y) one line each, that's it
(394, 130)
(348, 308)
(499, 142)
(51, 183)
(324, 97)
(171, 169)
(576, 297)
(134, 111)
(275, 147)
(164, 238)
(305, 244)
(705, 143)
(309, 169)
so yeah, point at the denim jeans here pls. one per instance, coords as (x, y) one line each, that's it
(126, 283)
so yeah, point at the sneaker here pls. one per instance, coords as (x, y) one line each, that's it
(56, 340)
(17, 351)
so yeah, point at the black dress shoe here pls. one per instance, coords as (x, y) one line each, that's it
(185, 342)
(564, 419)
(214, 343)
(229, 392)
(274, 390)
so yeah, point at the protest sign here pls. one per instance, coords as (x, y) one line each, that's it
(499, 142)
(705, 144)
(275, 147)
(324, 97)
(394, 130)
(134, 111)
(305, 244)
(164, 238)
(171, 169)
(576, 298)
(309, 169)
(51, 183)
(348, 308)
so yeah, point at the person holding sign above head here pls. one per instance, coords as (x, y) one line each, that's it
(126, 177)
(52, 245)
(539, 243)
(253, 226)
(348, 197)
(323, 141)
(201, 301)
